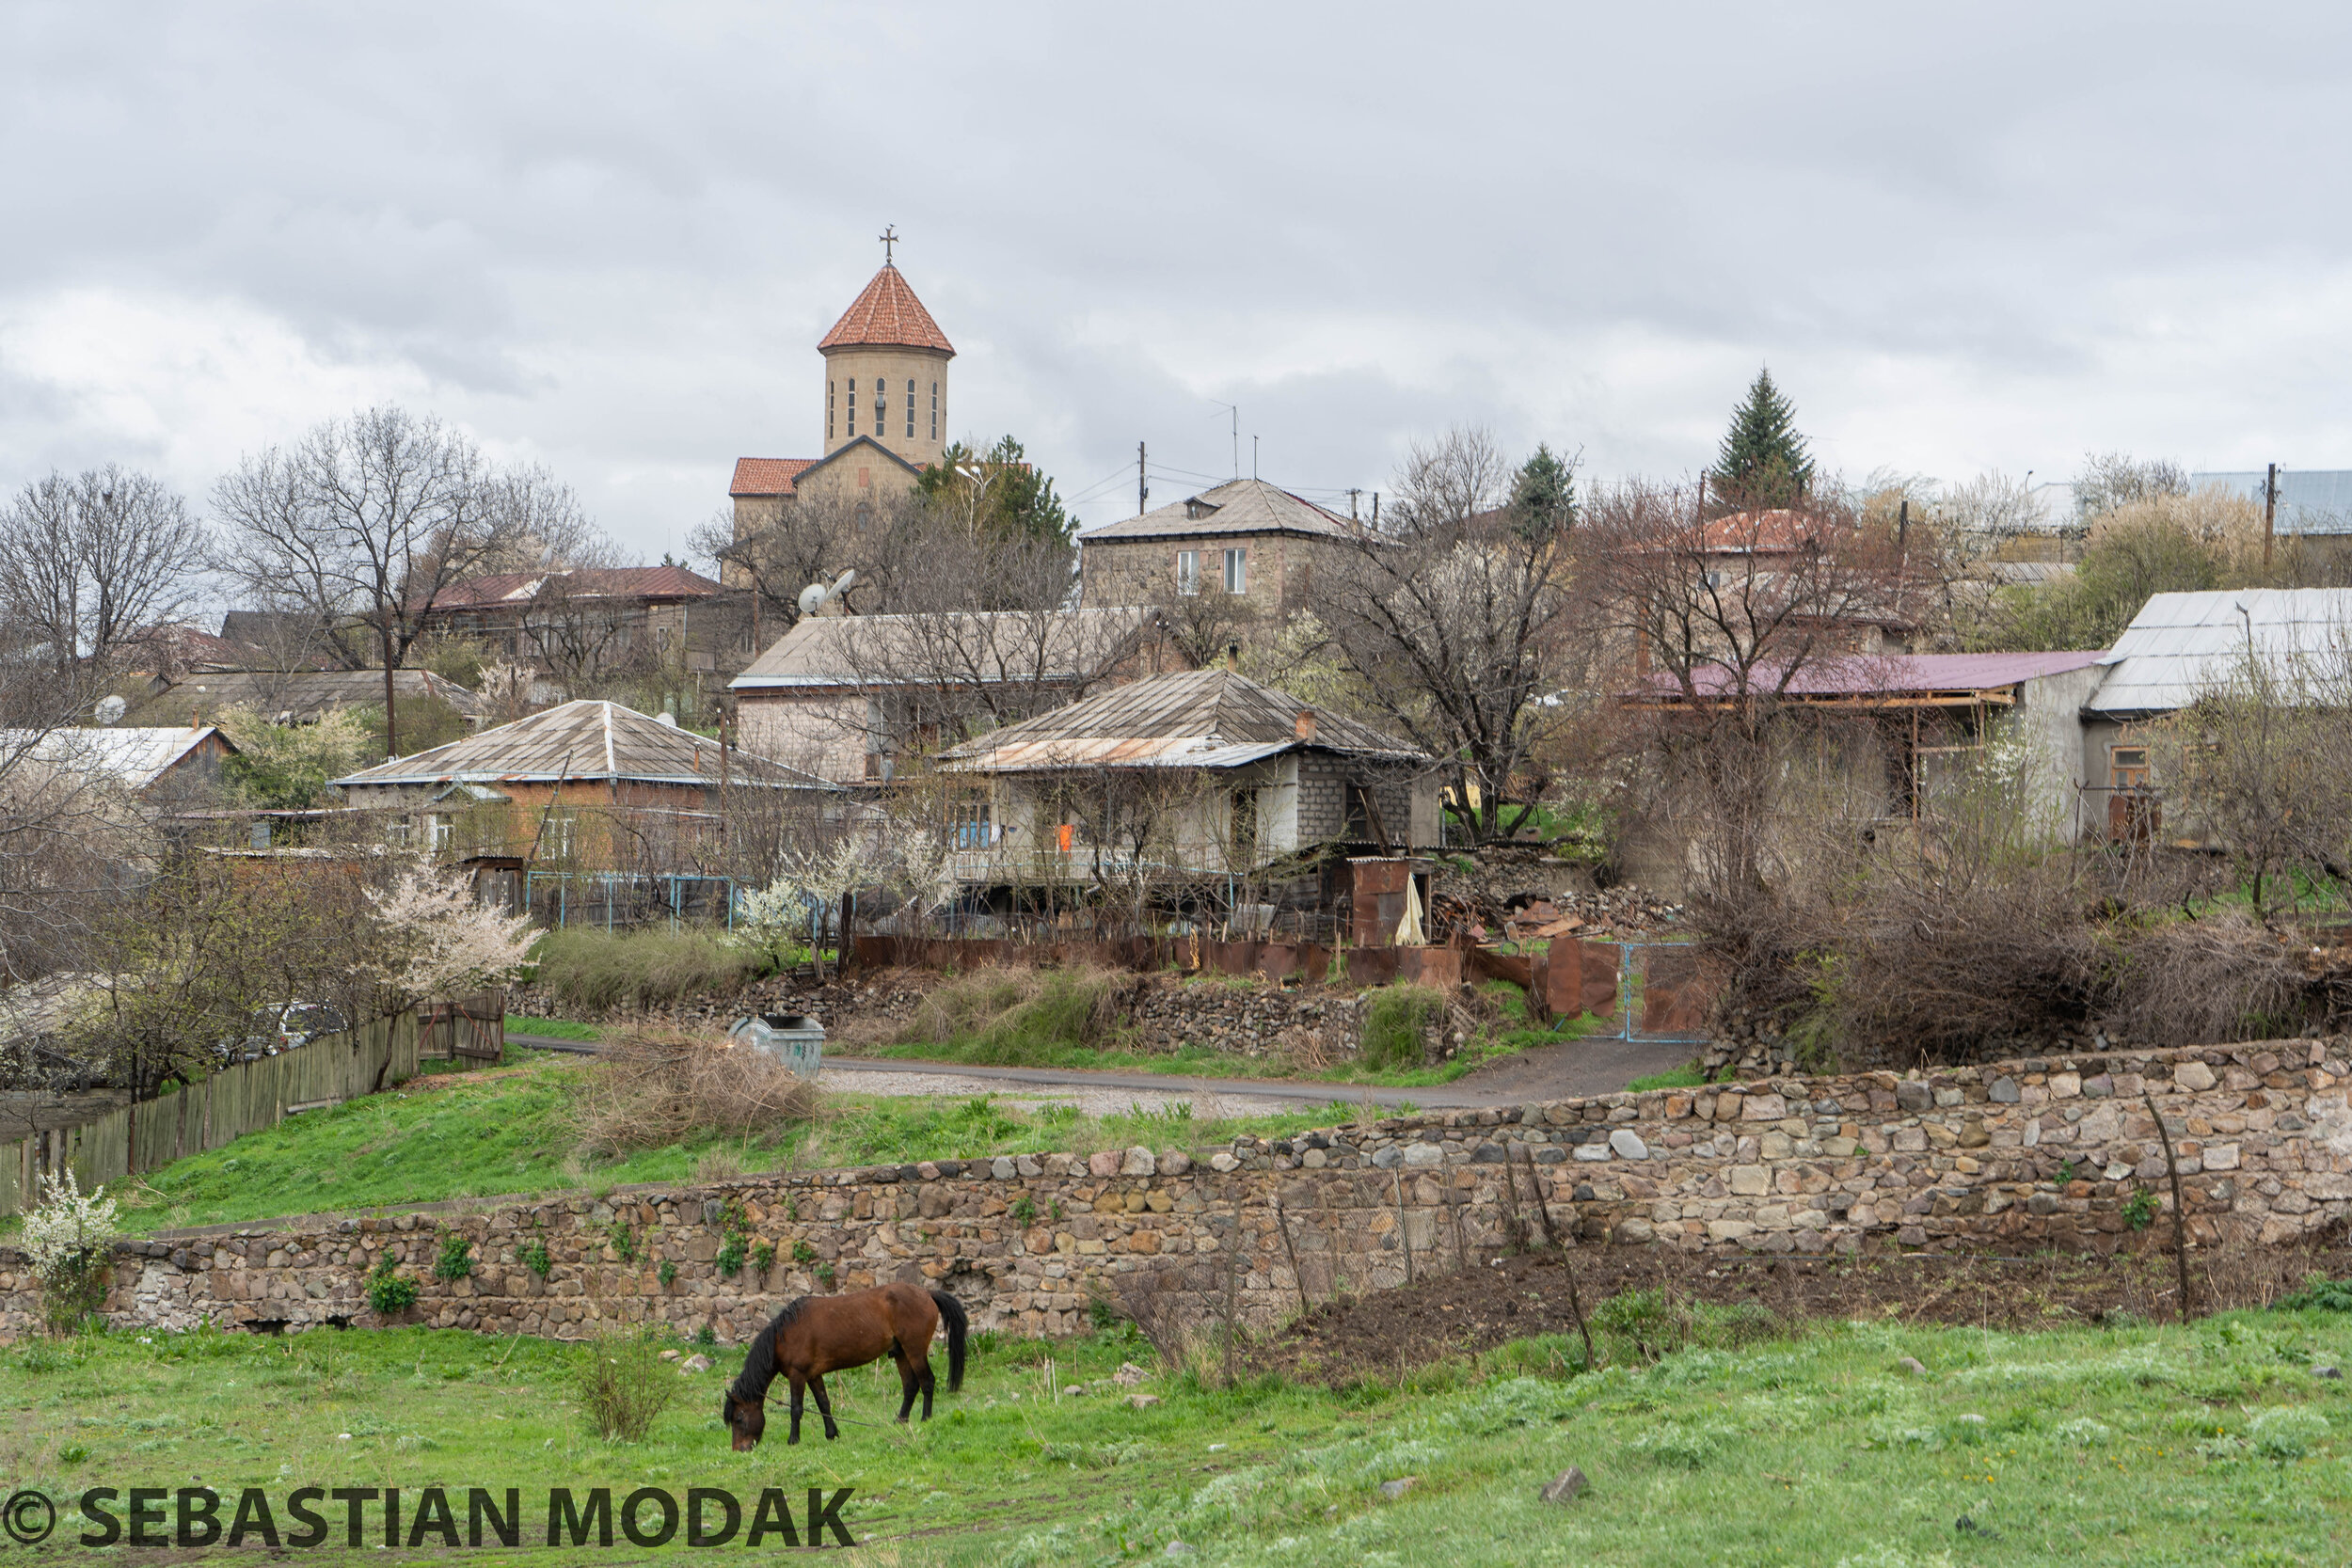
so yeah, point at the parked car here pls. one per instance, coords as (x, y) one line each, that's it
(286, 1028)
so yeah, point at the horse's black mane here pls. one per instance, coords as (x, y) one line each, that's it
(759, 1363)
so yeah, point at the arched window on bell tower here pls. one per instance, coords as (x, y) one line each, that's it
(910, 408)
(829, 396)
(850, 429)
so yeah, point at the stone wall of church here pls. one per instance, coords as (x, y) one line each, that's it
(893, 368)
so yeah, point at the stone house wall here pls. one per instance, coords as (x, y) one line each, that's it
(2041, 1153)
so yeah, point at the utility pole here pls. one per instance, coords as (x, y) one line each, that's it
(1253, 457)
(1352, 494)
(1143, 484)
(2270, 515)
(1376, 509)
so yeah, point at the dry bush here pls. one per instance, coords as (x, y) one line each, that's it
(649, 1090)
(2195, 982)
(624, 1384)
(1156, 1300)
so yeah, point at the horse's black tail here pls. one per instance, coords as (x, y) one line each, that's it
(952, 1309)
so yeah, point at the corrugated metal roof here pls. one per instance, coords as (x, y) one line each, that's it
(131, 754)
(2180, 645)
(883, 649)
(615, 582)
(584, 740)
(1198, 718)
(305, 694)
(2310, 501)
(1893, 674)
(1237, 506)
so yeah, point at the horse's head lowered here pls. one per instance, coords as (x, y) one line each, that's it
(745, 1418)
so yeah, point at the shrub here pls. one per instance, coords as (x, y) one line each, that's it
(1396, 1020)
(456, 1258)
(68, 1240)
(623, 1384)
(1019, 1017)
(388, 1293)
(2287, 1433)
(764, 1257)
(536, 1259)
(2320, 1293)
(648, 1090)
(668, 1273)
(595, 970)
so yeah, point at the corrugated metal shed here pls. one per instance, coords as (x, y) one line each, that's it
(585, 741)
(883, 649)
(131, 754)
(2180, 644)
(1198, 719)
(1237, 506)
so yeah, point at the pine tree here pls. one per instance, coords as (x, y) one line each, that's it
(1543, 492)
(999, 493)
(1763, 461)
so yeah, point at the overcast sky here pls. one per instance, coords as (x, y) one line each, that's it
(608, 238)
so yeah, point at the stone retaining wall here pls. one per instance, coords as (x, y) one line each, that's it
(2042, 1152)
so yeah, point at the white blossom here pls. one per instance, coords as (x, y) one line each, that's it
(441, 941)
(68, 1227)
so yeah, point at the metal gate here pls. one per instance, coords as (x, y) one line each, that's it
(1649, 990)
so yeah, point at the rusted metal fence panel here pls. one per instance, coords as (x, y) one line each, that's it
(214, 1113)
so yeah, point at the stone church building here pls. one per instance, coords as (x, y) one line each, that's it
(886, 409)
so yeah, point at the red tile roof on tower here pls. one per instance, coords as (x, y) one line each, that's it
(767, 476)
(887, 312)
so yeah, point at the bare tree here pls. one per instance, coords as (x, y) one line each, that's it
(362, 525)
(89, 563)
(1458, 619)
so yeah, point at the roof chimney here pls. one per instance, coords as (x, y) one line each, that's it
(1305, 724)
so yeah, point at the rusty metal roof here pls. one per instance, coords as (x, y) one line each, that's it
(959, 648)
(1198, 718)
(584, 740)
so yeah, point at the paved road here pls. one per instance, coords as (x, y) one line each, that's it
(1568, 1070)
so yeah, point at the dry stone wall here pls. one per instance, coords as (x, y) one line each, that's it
(2041, 1153)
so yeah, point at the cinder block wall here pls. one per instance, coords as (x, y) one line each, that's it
(2043, 1151)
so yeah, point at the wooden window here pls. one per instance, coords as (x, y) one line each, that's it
(1245, 820)
(1188, 571)
(1237, 570)
(438, 831)
(2132, 809)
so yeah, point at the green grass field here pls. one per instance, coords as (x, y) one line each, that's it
(511, 1133)
(2214, 1444)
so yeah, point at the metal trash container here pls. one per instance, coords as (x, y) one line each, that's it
(796, 1041)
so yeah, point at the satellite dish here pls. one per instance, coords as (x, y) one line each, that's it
(110, 709)
(666, 717)
(841, 584)
(811, 597)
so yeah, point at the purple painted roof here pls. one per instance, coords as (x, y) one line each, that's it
(1862, 674)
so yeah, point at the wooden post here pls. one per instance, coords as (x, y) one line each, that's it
(1282, 1223)
(1404, 1237)
(1576, 1303)
(2180, 1211)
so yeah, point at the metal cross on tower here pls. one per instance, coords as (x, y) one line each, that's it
(889, 238)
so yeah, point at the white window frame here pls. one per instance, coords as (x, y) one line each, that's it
(1237, 570)
(1187, 572)
(438, 830)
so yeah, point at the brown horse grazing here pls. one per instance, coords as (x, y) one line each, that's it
(815, 1334)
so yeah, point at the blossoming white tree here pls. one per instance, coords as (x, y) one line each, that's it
(68, 1239)
(439, 943)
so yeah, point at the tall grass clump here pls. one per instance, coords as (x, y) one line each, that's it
(652, 968)
(623, 1385)
(1396, 1021)
(1019, 1017)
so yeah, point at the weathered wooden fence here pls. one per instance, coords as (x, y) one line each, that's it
(224, 1107)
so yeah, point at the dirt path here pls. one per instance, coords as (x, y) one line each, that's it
(1568, 1070)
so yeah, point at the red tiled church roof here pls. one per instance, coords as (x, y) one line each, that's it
(767, 476)
(887, 313)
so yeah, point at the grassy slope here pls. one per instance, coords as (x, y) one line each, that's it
(509, 1133)
(2147, 1446)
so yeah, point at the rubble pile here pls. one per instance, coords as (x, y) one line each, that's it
(1517, 893)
